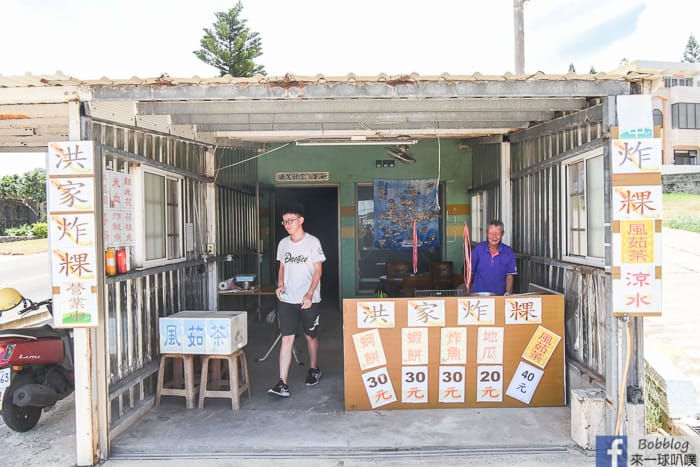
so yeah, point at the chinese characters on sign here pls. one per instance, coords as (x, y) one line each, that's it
(426, 313)
(490, 345)
(118, 217)
(523, 310)
(489, 383)
(302, 176)
(368, 346)
(414, 384)
(71, 214)
(414, 346)
(476, 311)
(524, 382)
(453, 345)
(541, 346)
(378, 386)
(636, 210)
(375, 315)
(451, 352)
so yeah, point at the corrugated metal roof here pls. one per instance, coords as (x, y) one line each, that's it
(225, 110)
(60, 79)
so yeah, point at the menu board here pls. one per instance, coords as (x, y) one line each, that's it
(443, 352)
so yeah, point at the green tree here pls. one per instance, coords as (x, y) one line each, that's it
(692, 51)
(230, 46)
(592, 71)
(29, 189)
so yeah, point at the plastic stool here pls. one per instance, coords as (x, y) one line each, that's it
(237, 383)
(188, 391)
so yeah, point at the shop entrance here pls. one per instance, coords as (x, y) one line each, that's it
(321, 220)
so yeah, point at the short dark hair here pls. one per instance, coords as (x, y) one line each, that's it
(497, 223)
(296, 209)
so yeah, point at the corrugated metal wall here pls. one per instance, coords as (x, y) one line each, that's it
(134, 301)
(538, 228)
(237, 221)
(538, 234)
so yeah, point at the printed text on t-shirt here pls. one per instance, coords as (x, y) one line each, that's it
(288, 258)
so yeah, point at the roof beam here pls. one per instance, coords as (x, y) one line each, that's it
(362, 106)
(354, 90)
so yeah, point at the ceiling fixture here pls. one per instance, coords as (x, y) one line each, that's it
(356, 141)
(400, 152)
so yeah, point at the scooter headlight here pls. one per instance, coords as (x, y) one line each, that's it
(9, 298)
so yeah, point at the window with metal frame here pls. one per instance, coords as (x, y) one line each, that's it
(161, 218)
(585, 208)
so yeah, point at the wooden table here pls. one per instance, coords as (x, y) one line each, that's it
(257, 291)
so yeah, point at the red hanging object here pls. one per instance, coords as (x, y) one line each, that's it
(467, 257)
(415, 248)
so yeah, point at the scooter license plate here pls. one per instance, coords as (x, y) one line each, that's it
(4, 378)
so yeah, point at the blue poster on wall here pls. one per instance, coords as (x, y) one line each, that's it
(396, 204)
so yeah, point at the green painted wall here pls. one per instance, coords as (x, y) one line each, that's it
(349, 165)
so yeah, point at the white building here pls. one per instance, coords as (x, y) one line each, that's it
(675, 88)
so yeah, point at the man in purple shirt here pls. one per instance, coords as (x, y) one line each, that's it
(493, 263)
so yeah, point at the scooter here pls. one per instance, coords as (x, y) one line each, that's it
(36, 365)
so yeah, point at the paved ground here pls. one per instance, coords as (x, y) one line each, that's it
(671, 341)
(270, 432)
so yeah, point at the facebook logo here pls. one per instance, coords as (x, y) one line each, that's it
(611, 451)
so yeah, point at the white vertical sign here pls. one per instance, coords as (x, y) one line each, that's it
(72, 241)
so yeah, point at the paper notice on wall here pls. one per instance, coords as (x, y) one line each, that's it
(414, 384)
(542, 345)
(414, 346)
(379, 388)
(489, 348)
(453, 346)
(426, 312)
(369, 349)
(452, 384)
(489, 383)
(476, 311)
(524, 383)
(375, 314)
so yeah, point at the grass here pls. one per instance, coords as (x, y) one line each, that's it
(682, 211)
(24, 247)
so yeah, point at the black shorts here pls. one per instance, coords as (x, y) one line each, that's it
(290, 315)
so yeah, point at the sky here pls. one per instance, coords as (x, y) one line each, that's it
(90, 39)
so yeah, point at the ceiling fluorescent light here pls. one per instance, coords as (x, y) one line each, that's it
(355, 141)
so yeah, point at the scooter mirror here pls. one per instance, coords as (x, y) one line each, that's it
(9, 298)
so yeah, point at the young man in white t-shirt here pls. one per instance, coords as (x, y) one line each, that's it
(299, 294)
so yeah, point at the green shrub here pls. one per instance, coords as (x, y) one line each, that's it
(40, 230)
(22, 231)
(691, 224)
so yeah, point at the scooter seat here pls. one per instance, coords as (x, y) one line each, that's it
(41, 332)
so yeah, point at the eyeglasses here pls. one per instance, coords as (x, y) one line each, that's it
(289, 221)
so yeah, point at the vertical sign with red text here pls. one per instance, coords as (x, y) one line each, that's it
(636, 210)
(72, 240)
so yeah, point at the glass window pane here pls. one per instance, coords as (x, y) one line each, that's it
(154, 215)
(691, 115)
(596, 207)
(682, 115)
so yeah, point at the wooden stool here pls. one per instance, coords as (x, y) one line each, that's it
(188, 389)
(236, 384)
